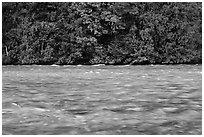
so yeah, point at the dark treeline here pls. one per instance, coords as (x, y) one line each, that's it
(101, 33)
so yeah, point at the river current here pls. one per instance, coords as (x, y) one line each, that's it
(127, 100)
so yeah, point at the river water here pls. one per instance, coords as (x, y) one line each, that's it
(127, 100)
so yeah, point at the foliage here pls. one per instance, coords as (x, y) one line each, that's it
(109, 33)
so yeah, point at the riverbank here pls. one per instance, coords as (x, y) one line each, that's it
(110, 64)
(101, 33)
(140, 61)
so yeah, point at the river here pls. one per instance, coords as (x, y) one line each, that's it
(102, 100)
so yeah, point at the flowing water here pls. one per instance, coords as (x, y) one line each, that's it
(153, 99)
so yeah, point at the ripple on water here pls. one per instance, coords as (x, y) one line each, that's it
(89, 100)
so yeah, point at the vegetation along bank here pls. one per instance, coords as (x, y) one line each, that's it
(101, 33)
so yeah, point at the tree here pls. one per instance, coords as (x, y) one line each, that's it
(101, 32)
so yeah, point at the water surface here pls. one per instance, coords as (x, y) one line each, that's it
(106, 100)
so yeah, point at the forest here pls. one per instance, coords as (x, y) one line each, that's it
(111, 33)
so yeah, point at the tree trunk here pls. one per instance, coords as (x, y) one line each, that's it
(6, 51)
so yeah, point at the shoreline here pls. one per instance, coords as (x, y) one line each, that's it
(100, 64)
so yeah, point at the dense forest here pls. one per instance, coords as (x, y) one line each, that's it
(101, 33)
